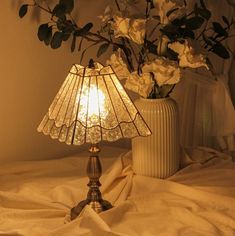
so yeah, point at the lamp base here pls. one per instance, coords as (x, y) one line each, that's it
(97, 206)
(94, 197)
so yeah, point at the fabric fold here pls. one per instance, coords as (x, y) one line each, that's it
(200, 194)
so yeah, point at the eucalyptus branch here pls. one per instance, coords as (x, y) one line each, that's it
(179, 28)
(221, 40)
(226, 28)
(155, 27)
(232, 35)
(122, 47)
(133, 51)
(62, 26)
(41, 7)
(97, 38)
(203, 31)
(117, 4)
(48, 7)
(129, 60)
(147, 10)
(71, 17)
(189, 14)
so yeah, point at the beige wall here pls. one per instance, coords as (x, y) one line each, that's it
(30, 76)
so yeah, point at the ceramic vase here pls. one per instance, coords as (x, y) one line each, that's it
(157, 155)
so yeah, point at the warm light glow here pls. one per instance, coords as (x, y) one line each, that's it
(92, 102)
(92, 106)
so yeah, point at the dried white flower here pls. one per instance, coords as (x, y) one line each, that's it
(118, 65)
(133, 29)
(121, 26)
(108, 14)
(137, 31)
(187, 56)
(164, 6)
(165, 71)
(142, 85)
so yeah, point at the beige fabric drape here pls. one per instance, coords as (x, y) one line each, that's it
(35, 197)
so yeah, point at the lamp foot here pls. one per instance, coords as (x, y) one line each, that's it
(94, 197)
(97, 206)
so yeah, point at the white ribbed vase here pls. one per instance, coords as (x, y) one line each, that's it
(157, 155)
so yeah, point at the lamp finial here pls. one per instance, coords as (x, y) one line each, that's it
(91, 64)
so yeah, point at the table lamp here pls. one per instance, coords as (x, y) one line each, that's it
(92, 106)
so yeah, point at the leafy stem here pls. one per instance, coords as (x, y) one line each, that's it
(48, 10)
(62, 26)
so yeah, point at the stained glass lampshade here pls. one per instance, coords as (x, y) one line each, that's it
(92, 106)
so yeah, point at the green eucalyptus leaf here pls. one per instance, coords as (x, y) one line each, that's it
(220, 50)
(152, 48)
(43, 30)
(194, 23)
(56, 40)
(171, 11)
(80, 45)
(126, 50)
(179, 21)
(214, 40)
(67, 29)
(59, 10)
(87, 27)
(166, 89)
(73, 45)
(115, 48)
(218, 28)
(156, 17)
(62, 17)
(202, 4)
(102, 49)
(207, 40)
(205, 13)
(60, 25)
(69, 5)
(186, 33)
(172, 55)
(23, 10)
(48, 36)
(226, 21)
(69, 24)
(84, 30)
(171, 31)
(153, 94)
(66, 36)
(175, 22)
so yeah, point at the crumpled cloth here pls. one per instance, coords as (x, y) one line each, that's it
(36, 197)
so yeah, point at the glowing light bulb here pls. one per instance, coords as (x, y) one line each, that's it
(96, 102)
(93, 105)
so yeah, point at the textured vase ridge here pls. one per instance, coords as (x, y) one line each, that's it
(158, 154)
